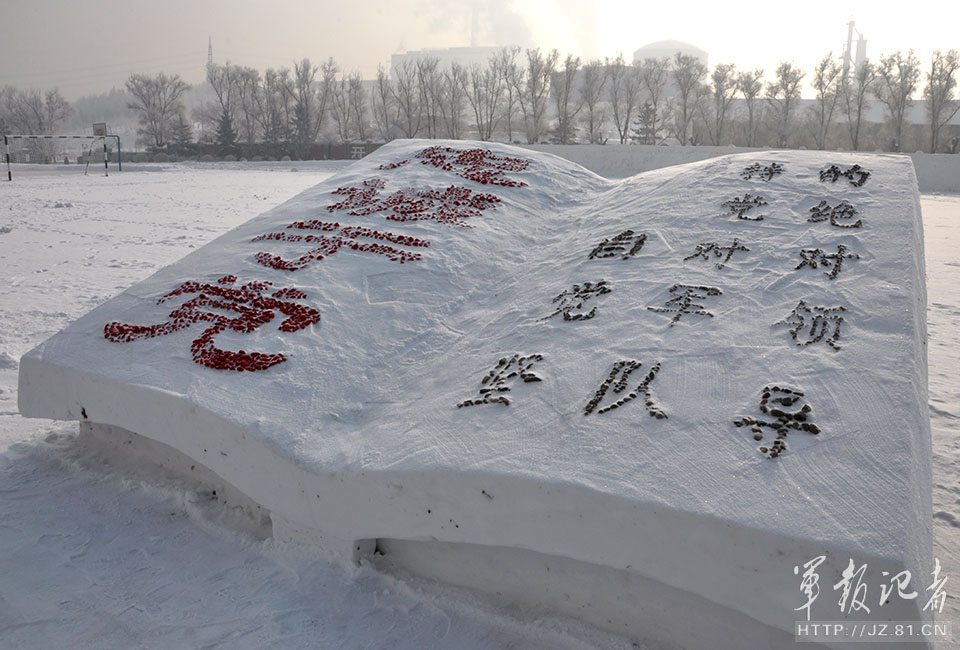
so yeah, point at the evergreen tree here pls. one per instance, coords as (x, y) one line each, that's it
(182, 131)
(226, 136)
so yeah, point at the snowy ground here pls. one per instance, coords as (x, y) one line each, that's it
(93, 558)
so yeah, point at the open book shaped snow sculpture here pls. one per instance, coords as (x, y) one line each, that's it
(688, 406)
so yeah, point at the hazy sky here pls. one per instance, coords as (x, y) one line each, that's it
(93, 45)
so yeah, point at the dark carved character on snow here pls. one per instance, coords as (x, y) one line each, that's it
(623, 369)
(683, 301)
(507, 371)
(571, 299)
(251, 308)
(480, 165)
(449, 207)
(815, 324)
(705, 251)
(782, 404)
(841, 211)
(741, 205)
(325, 245)
(857, 175)
(618, 244)
(764, 172)
(814, 257)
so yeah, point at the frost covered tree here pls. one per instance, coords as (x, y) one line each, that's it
(535, 97)
(357, 106)
(624, 93)
(158, 100)
(854, 104)
(783, 95)
(826, 82)
(897, 79)
(566, 99)
(750, 85)
(592, 80)
(688, 76)
(939, 92)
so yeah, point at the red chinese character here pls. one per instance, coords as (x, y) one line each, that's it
(341, 236)
(449, 207)
(480, 165)
(253, 309)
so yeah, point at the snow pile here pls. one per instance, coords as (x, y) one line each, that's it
(695, 379)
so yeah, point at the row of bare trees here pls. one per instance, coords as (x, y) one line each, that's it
(539, 97)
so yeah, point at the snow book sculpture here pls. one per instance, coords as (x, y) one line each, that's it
(680, 406)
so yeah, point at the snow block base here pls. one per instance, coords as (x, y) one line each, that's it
(436, 347)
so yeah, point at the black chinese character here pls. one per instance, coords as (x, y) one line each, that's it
(843, 210)
(704, 251)
(773, 402)
(856, 174)
(682, 303)
(624, 368)
(765, 172)
(574, 298)
(507, 371)
(741, 205)
(814, 324)
(814, 257)
(616, 245)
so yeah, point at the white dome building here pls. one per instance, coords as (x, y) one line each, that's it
(668, 49)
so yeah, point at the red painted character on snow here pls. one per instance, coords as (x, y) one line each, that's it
(248, 302)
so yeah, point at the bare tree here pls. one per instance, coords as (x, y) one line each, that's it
(222, 79)
(566, 99)
(939, 93)
(593, 78)
(158, 101)
(431, 93)
(484, 90)
(783, 95)
(723, 87)
(827, 76)
(897, 78)
(247, 85)
(853, 90)
(750, 85)
(407, 93)
(514, 78)
(653, 79)
(536, 93)
(382, 101)
(272, 102)
(357, 106)
(340, 108)
(688, 75)
(453, 81)
(624, 90)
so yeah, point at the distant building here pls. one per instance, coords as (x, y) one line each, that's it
(668, 49)
(465, 56)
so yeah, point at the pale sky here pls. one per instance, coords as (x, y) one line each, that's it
(93, 45)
